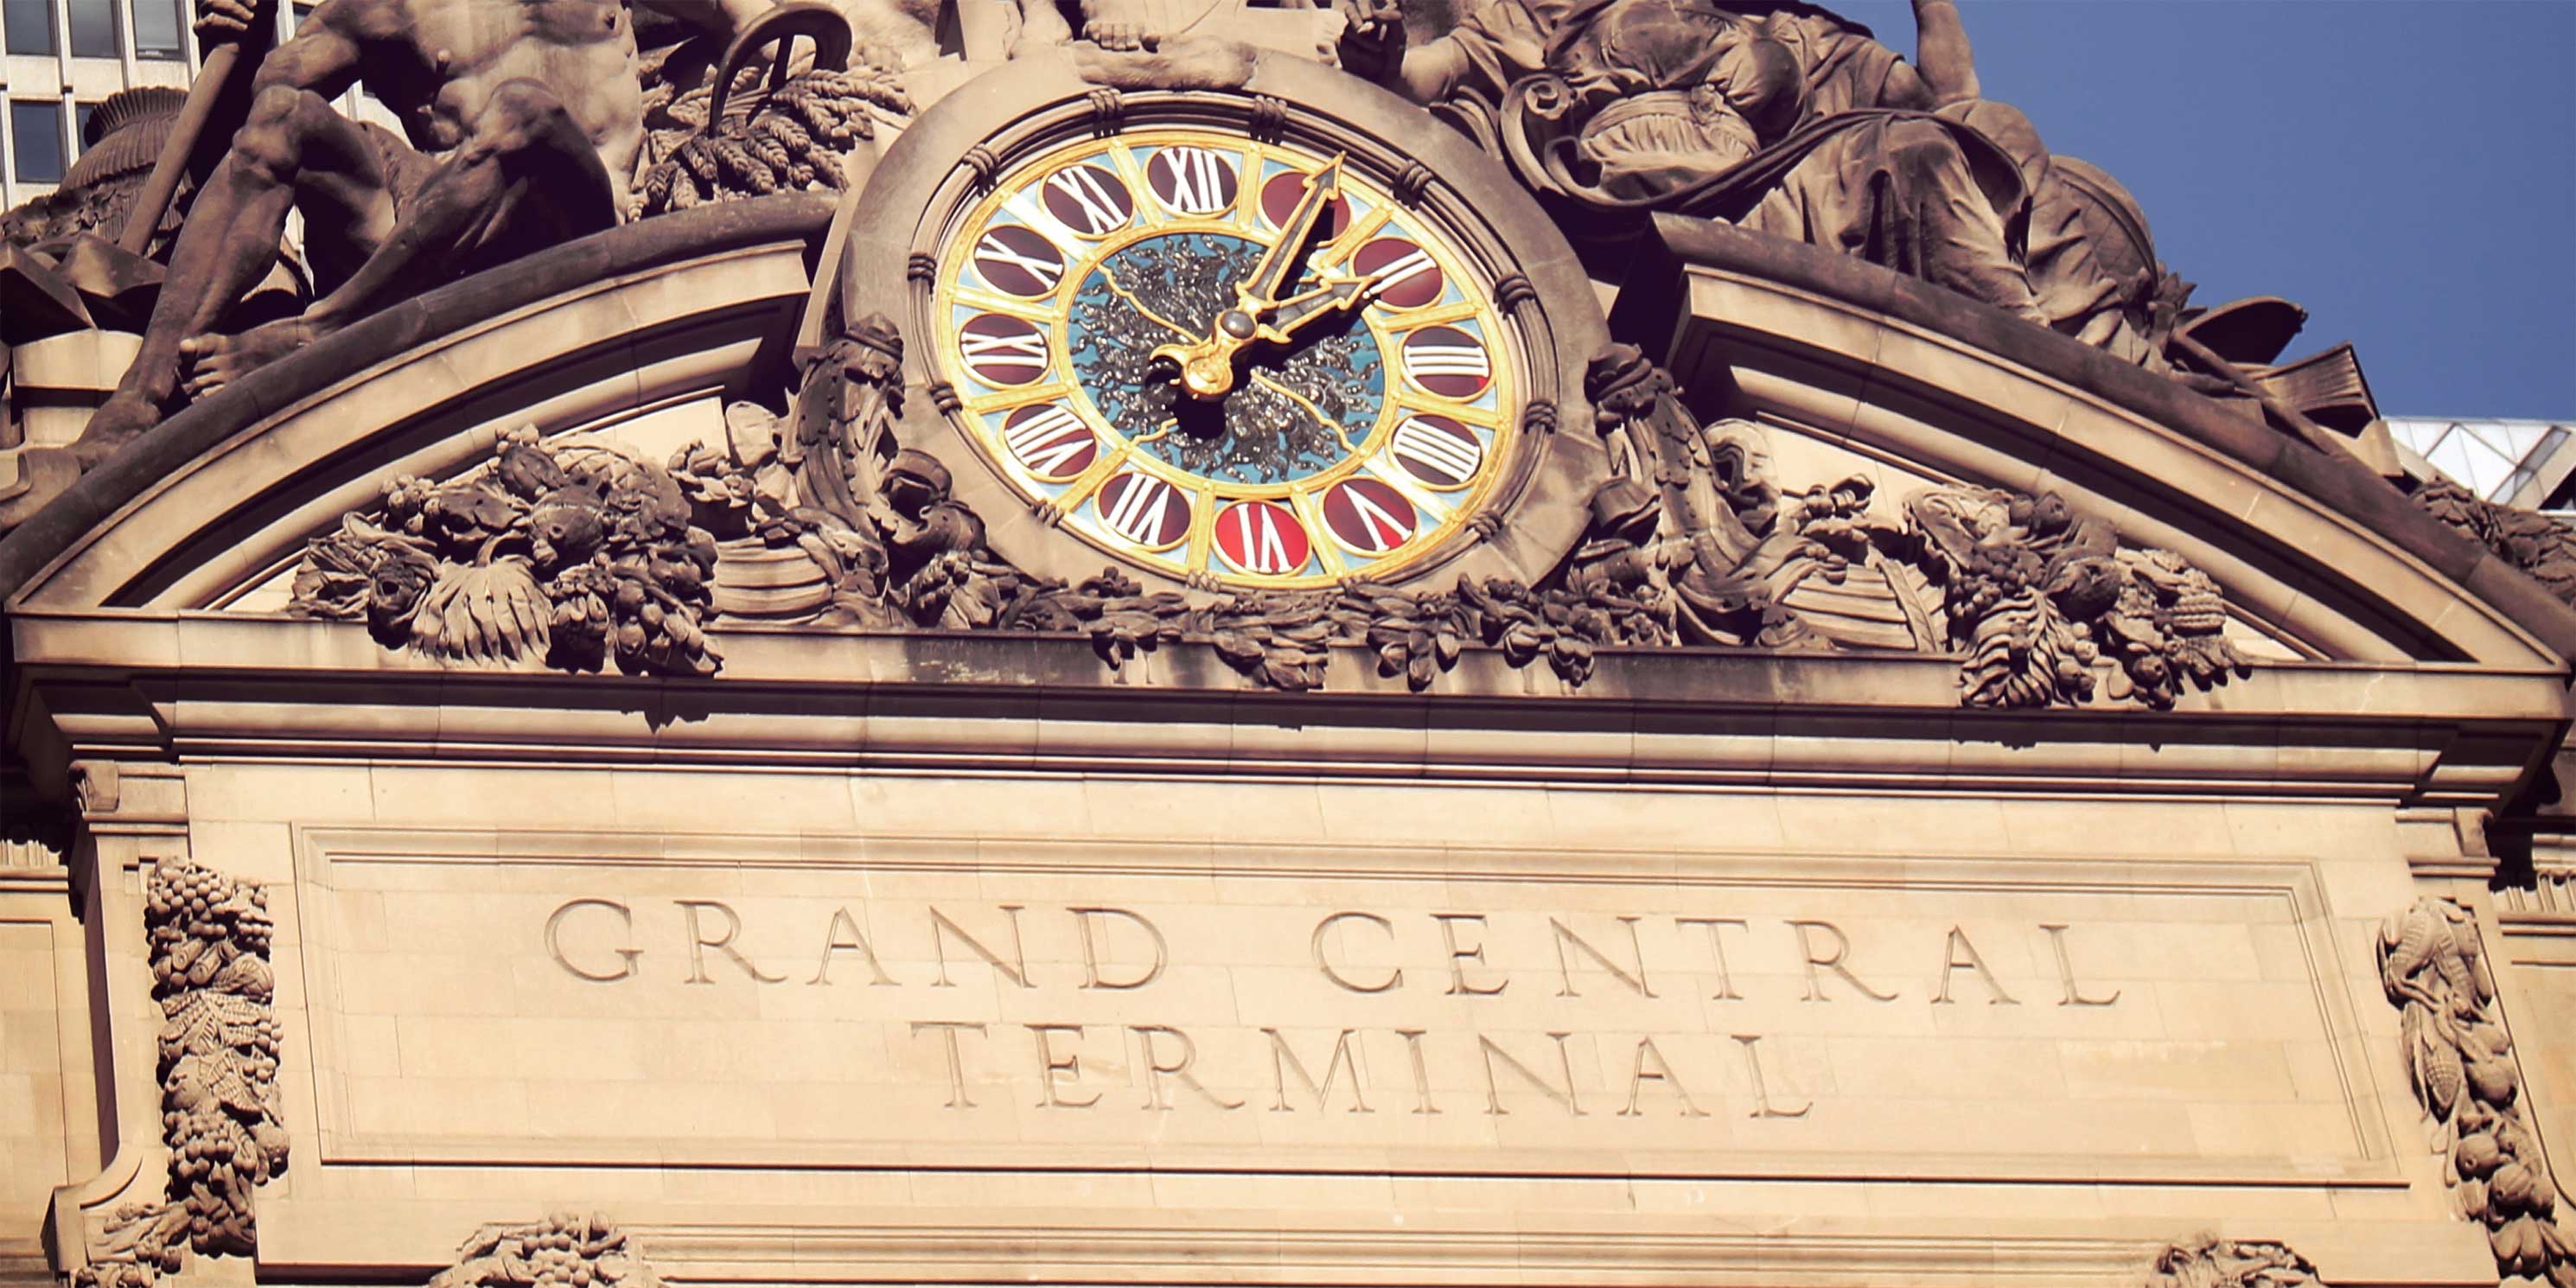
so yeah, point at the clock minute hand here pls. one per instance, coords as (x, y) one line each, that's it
(1279, 267)
(1207, 367)
(1294, 314)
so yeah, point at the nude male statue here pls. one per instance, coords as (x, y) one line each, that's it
(523, 120)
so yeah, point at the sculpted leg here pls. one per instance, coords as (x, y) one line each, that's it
(529, 178)
(293, 150)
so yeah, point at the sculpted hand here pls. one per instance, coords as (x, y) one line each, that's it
(1372, 42)
(224, 20)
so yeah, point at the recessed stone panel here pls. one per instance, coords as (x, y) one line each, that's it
(909, 1002)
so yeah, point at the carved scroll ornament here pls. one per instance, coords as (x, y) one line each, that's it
(219, 1100)
(2461, 1064)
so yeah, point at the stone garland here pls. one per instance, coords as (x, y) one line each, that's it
(219, 1107)
(2212, 1262)
(564, 1250)
(2460, 1062)
(567, 555)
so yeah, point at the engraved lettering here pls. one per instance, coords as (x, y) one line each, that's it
(1147, 1036)
(1091, 977)
(554, 941)
(2066, 971)
(1717, 950)
(957, 1098)
(1282, 1060)
(1638, 1076)
(1762, 1106)
(1951, 965)
(1832, 962)
(835, 941)
(1564, 1059)
(1323, 930)
(1015, 970)
(1421, 1072)
(699, 943)
(1565, 971)
(1459, 956)
(1050, 1065)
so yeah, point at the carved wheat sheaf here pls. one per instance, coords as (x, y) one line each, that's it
(219, 1099)
(2460, 1062)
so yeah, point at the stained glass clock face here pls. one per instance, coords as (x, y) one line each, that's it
(1225, 360)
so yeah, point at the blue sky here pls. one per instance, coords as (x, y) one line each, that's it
(2406, 169)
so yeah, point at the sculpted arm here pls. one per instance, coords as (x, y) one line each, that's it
(322, 57)
(1949, 67)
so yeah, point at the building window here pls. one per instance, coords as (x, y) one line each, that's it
(93, 28)
(37, 129)
(80, 127)
(157, 30)
(30, 26)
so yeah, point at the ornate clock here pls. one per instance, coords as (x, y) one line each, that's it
(1232, 341)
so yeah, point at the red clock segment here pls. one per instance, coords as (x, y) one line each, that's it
(1002, 350)
(1407, 276)
(1262, 538)
(1436, 450)
(1018, 260)
(1280, 194)
(1144, 509)
(1447, 361)
(1193, 180)
(1050, 441)
(1091, 200)
(1368, 516)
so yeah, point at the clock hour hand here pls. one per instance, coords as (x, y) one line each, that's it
(1207, 367)
(1294, 314)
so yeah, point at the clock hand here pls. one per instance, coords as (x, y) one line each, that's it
(1294, 314)
(1207, 367)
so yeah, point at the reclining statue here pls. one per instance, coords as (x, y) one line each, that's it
(523, 119)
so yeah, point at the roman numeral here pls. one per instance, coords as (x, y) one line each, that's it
(1448, 360)
(1404, 269)
(1049, 441)
(1096, 209)
(1256, 534)
(1435, 454)
(991, 251)
(1196, 180)
(1137, 513)
(1383, 531)
(1019, 351)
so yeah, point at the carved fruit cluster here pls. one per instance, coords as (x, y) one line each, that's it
(568, 555)
(2541, 545)
(2460, 1062)
(562, 1251)
(2209, 1261)
(210, 940)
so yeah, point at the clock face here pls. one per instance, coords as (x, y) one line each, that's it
(1225, 360)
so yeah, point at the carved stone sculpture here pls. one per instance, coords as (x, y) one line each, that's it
(523, 131)
(122, 137)
(765, 128)
(2541, 545)
(2460, 1061)
(563, 1251)
(565, 556)
(219, 1097)
(2213, 1262)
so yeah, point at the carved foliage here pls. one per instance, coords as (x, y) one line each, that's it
(759, 137)
(2036, 596)
(2538, 544)
(562, 1251)
(566, 555)
(2212, 1262)
(2460, 1062)
(219, 1107)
